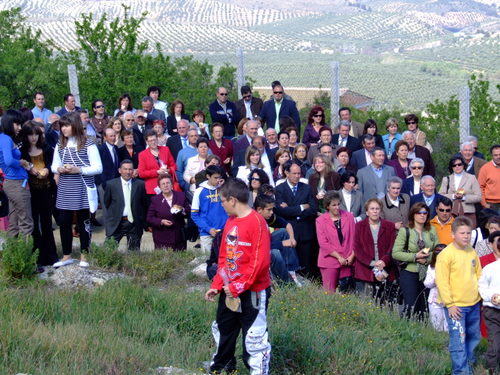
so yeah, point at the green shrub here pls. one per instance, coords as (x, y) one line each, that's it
(18, 258)
(106, 255)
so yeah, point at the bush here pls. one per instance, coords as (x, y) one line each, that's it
(107, 255)
(18, 258)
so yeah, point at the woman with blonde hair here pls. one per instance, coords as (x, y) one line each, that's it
(252, 161)
(392, 136)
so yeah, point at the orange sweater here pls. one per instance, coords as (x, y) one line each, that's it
(489, 181)
(443, 230)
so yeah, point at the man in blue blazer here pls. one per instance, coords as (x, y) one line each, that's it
(428, 195)
(296, 204)
(362, 157)
(225, 112)
(372, 179)
(278, 107)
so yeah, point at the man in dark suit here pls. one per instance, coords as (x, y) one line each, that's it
(179, 141)
(110, 162)
(275, 109)
(224, 111)
(356, 128)
(428, 195)
(296, 204)
(151, 112)
(248, 106)
(129, 124)
(126, 204)
(416, 151)
(363, 157)
(69, 105)
(343, 139)
(249, 132)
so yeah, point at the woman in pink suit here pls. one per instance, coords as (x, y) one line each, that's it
(335, 231)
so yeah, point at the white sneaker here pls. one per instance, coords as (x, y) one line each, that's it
(62, 263)
(84, 264)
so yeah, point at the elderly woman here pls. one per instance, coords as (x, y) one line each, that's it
(253, 161)
(371, 128)
(159, 129)
(323, 179)
(196, 164)
(401, 164)
(462, 188)
(300, 157)
(411, 185)
(373, 243)
(392, 136)
(198, 120)
(412, 249)
(176, 114)
(351, 200)
(166, 215)
(154, 161)
(395, 205)
(315, 121)
(335, 231)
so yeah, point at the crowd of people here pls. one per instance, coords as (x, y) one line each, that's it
(360, 211)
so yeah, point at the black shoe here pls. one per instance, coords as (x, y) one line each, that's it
(95, 223)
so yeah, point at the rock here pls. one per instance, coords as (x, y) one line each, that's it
(74, 276)
(201, 270)
(198, 260)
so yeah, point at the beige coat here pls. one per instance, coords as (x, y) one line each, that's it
(469, 184)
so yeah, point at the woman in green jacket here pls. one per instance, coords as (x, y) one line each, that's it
(412, 249)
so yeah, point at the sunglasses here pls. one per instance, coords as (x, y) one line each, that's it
(422, 212)
(278, 92)
(317, 115)
(223, 93)
(417, 167)
(457, 165)
(254, 179)
(444, 209)
(411, 122)
(246, 96)
(100, 106)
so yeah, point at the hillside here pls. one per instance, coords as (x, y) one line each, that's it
(377, 42)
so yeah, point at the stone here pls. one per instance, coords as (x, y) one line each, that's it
(74, 276)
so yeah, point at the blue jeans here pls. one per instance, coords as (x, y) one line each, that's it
(288, 253)
(464, 337)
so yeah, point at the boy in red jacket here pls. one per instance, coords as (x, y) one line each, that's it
(243, 282)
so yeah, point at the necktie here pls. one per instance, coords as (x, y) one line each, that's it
(127, 197)
(115, 157)
(183, 142)
(294, 190)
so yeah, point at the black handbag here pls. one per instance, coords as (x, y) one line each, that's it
(400, 264)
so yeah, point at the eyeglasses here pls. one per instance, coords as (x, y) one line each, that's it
(422, 212)
(411, 122)
(223, 93)
(417, 167)
(317, 115)
(254, 179)
(457, 165)
(444, 209)
(100, 106)
(246, 96)
(278, 92)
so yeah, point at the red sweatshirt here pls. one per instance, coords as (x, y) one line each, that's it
(245, 255)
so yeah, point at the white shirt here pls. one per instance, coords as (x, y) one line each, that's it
(416, 187)
(368, 157)
(347, 199)
(95, 166)
(458, 179)
(395, 203)
(126, 185)
(249, 110)
(162, 106)
(489, 283)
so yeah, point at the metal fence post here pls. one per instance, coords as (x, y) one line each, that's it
(464, 112)
(335, 93)
(240, 73)
(73, 83)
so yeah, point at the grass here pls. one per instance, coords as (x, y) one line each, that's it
(125, 327)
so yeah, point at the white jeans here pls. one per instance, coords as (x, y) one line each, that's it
(206, 243)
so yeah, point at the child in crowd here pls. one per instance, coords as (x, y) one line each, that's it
(457, 274)
(489, 288)
(282, 238)
(436, 311)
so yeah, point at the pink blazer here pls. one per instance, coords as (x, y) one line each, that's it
(329, 241)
